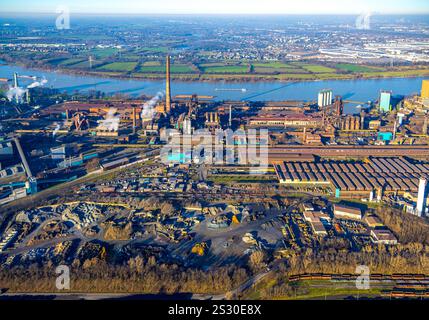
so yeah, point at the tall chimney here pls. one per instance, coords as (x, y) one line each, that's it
(15, 80)
(167, 87)
(134, 120)
(421, 198)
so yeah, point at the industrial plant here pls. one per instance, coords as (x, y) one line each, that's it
(223, 190)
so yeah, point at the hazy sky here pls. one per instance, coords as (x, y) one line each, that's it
(219, 6)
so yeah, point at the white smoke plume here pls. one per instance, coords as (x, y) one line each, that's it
(149, 107)
(16, 94)
(111, 121)
(57, 128)
(363, 22)
(36, 84)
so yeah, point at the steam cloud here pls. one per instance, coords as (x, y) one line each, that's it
(36, 84)
(16, 94)
(111, 122)
(57, 128)
(363, 21)
(148, 108)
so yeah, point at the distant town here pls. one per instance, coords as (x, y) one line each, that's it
(214, 48)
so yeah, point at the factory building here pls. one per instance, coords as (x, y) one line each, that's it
(316, 218)
(312, 138)
(385, 101)
(12, 171)
(12, 195)
(290, 120)
(324, 98)
(6, 149)
(374, 125)
(58, 152)
(383, 236)
(351, 123)
(212, 120)
(346, 212)
(389, 175)
(373, 221)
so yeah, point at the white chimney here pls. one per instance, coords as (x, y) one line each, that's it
(421, 198)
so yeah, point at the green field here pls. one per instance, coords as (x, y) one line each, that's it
(70, 62)
(85, 64)
(179, 76)
(401, 73)
(115, 61)
(316, 289)
(273, 64)
(294, 69)
(103, 52)
(155, 49)
(355, 68)
(175, 68)
(225, 69)
(315, 68)
(119, 66)
(151, 64)
(278, 70)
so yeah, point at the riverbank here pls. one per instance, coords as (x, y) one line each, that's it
(399, 72)
(360, 90)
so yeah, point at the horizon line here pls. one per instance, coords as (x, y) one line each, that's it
(217, 14)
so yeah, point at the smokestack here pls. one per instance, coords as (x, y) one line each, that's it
(339, 105)
(134, 120)
(421, 198)
(15, 80)
(230, 115)
(304, 135)
(362, 120)
(395, 128)
(167, 87)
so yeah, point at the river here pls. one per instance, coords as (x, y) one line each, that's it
(356, 90)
